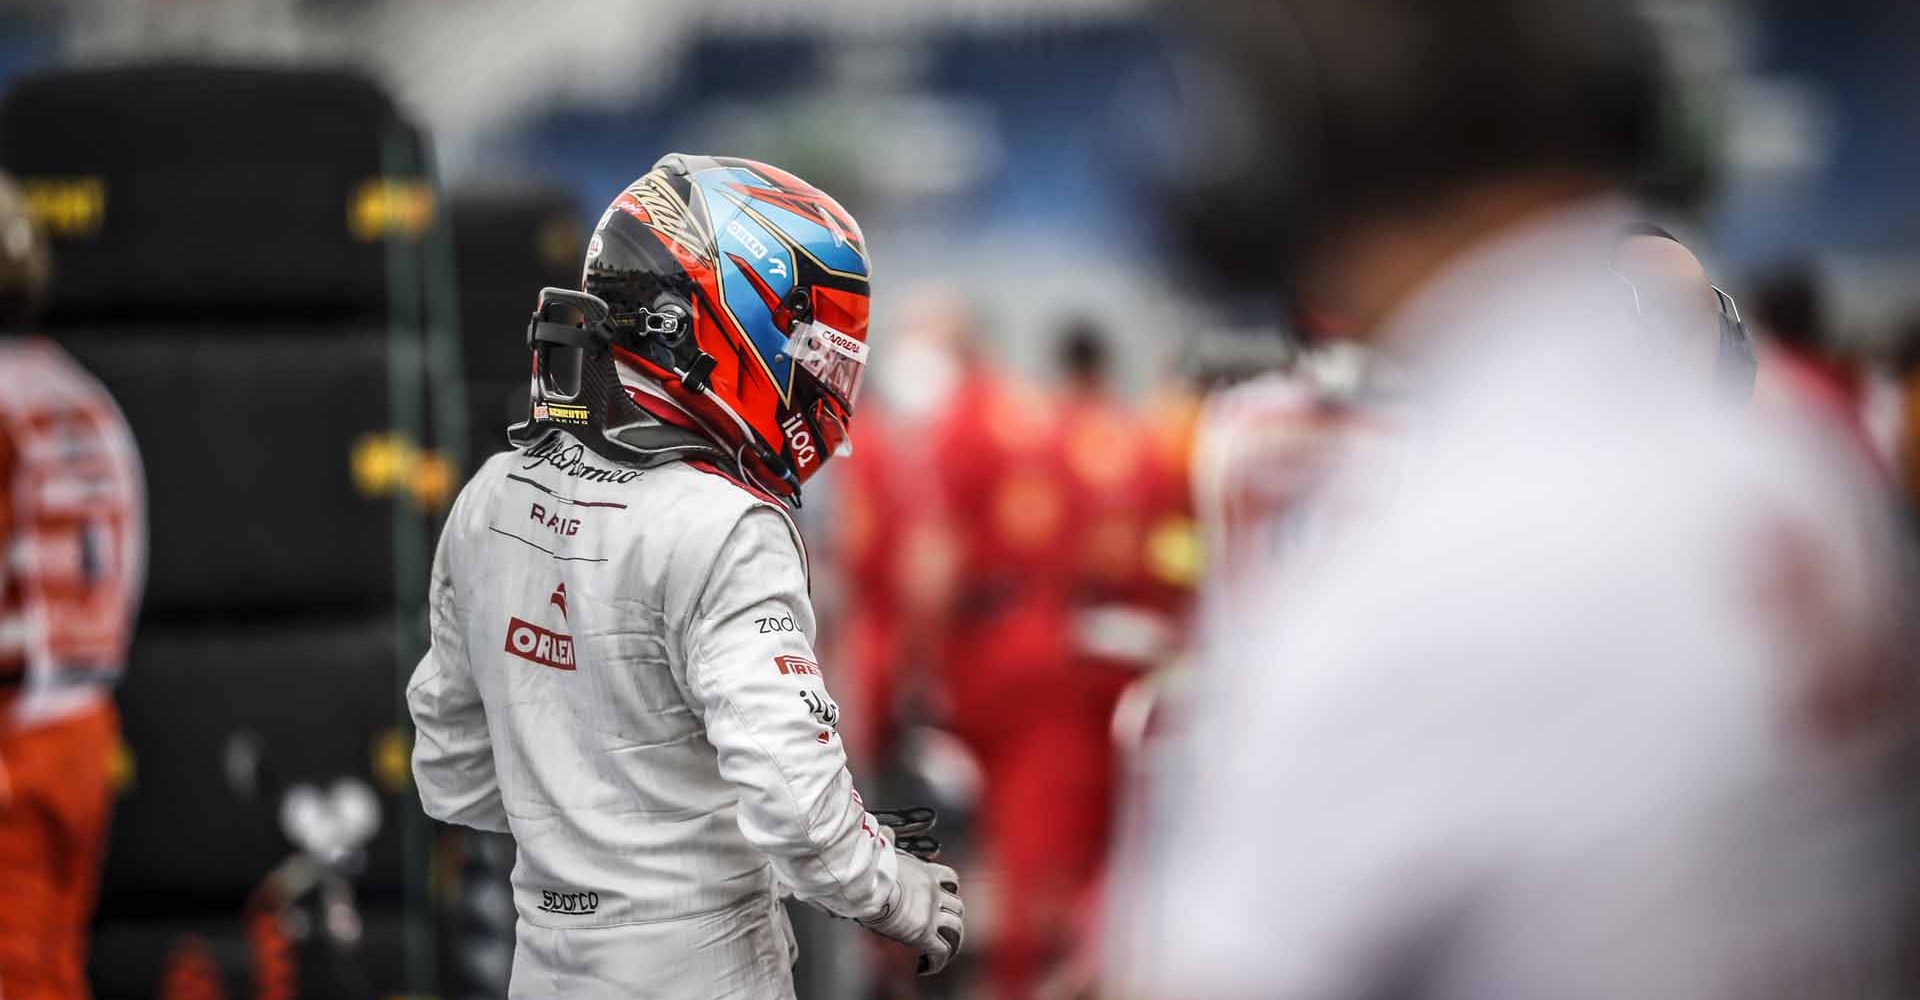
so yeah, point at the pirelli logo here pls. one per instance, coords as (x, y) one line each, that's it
(796, 665)
(534, 644)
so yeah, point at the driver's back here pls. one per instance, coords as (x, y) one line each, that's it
(571, 582)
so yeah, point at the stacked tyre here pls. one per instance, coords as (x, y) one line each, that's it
(242, 257)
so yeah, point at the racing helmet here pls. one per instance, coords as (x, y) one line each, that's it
(733, 297)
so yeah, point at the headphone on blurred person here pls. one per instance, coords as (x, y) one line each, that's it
(1736, 367)
(1324, 113)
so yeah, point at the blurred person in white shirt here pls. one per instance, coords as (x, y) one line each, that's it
(1588, 685)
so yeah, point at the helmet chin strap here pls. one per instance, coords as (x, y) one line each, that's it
(767, 458)
(791, 496)
(791, 499)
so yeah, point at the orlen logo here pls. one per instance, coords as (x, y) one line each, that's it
(535, 644)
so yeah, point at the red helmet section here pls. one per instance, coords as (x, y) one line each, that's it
(756, 256)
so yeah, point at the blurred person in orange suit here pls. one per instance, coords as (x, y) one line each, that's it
(1171, 559)
(1132, 538)
(893, 560)
(72, 529)
(1126, 466)
(866, 552)
(1010, 686)
(862, 546)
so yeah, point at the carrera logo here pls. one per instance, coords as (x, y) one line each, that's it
(796, 665)
(852, 347)
(534, 644)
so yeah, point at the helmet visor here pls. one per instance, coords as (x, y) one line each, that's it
(837, 360)
(831, 428)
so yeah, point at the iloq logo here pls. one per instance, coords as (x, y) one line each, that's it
(534, 644)
(801, 441)
(822, 708)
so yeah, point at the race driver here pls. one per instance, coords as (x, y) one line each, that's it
(622, 672)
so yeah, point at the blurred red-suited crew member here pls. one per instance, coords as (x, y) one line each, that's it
(73, 535)
(1015, 692)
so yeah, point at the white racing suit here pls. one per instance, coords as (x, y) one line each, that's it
(622, 677)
